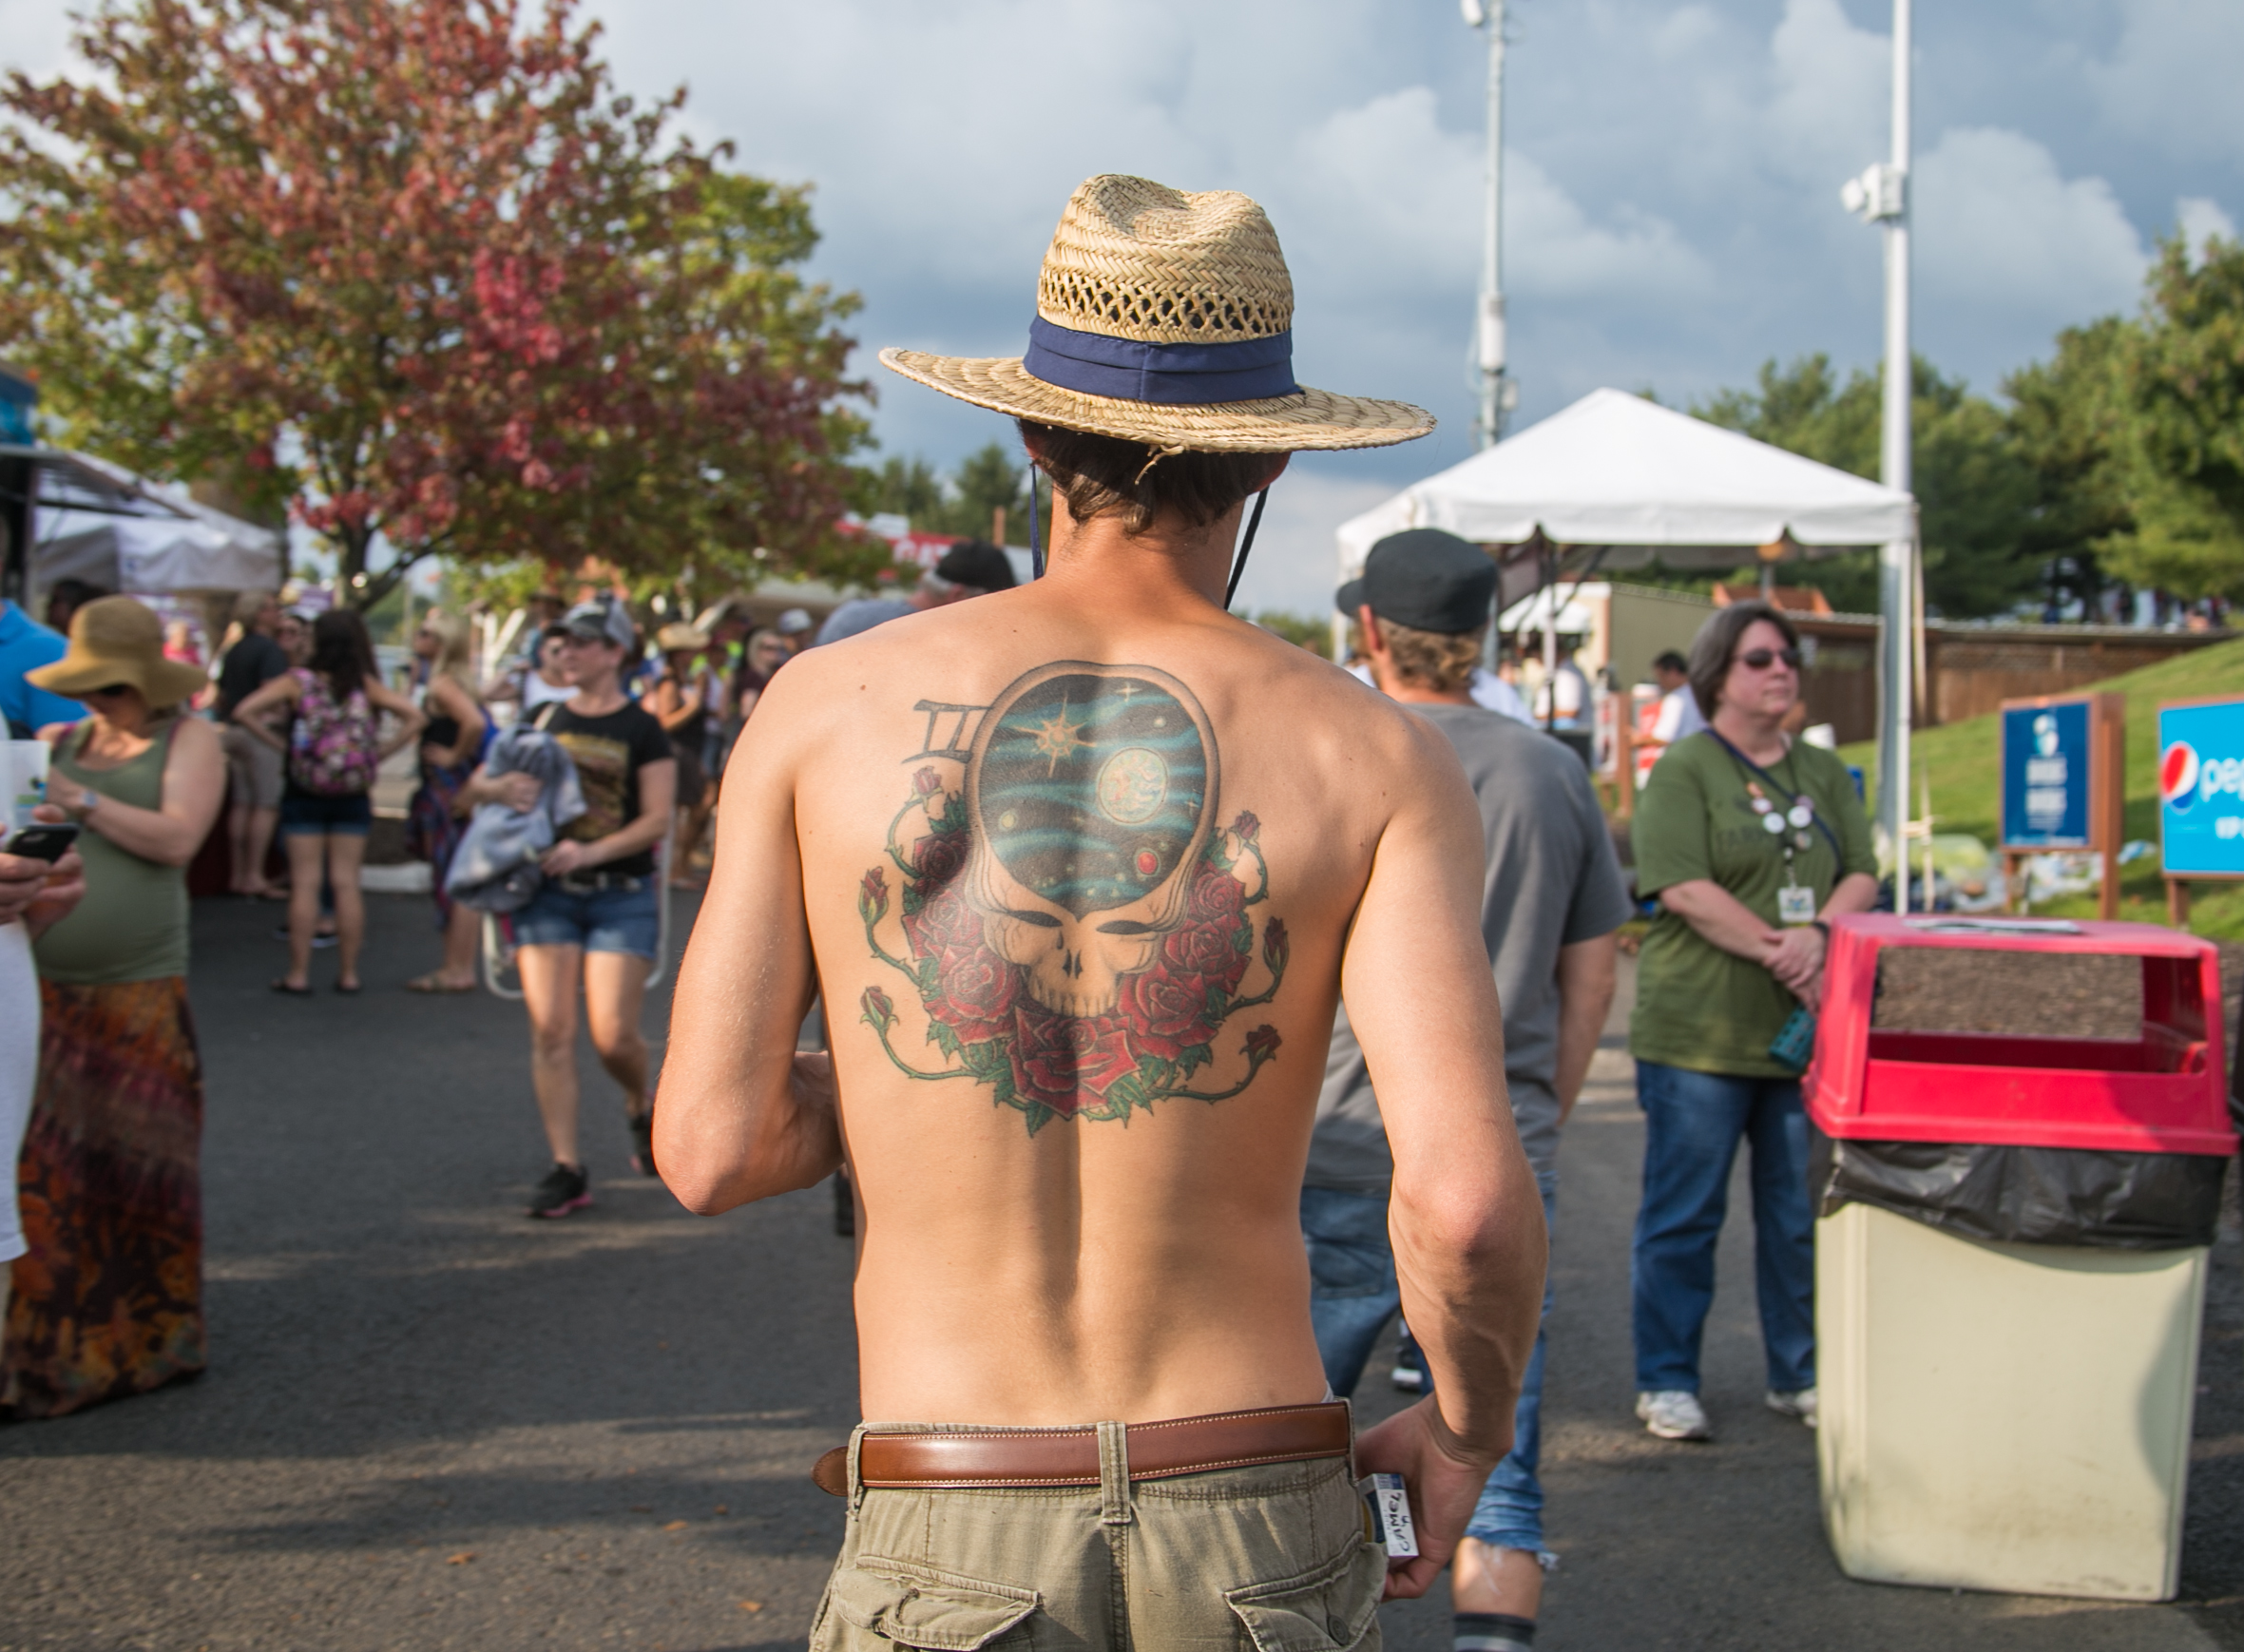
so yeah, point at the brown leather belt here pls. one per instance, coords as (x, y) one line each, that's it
(962, 1458)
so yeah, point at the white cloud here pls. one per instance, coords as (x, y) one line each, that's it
(1997, 227)
(1829, 114)
(2172, 76)
(2201, 221)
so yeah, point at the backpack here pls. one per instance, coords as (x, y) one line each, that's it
(331, 748)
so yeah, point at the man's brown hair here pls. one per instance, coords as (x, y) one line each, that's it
(1442, 660)
(1107, 476)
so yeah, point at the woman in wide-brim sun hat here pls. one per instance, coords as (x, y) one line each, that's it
(109, 1300)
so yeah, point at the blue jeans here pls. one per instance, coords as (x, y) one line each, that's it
(1695, 1122)
(1353, 1294)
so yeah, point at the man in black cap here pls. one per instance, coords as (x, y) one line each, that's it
(1552, 898)
(972, 568)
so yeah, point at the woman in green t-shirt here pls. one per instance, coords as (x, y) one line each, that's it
(1750, 840)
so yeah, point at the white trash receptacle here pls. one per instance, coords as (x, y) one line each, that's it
(2004, 1416)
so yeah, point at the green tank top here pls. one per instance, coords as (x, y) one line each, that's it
(132, 925)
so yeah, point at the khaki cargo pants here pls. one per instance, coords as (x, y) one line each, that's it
(1266, 1559)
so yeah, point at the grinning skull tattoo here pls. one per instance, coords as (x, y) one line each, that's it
(1076, 927)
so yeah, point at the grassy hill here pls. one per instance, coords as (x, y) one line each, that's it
(1962, 762)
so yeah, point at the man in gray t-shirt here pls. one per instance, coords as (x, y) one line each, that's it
(1552, 897)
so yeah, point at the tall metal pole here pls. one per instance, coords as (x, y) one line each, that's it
(1880, 196)
(1496, 393)
(1897, 557)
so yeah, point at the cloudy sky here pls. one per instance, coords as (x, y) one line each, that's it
(1671, 216)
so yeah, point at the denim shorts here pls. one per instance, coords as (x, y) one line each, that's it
(310, 815)
(615, 920)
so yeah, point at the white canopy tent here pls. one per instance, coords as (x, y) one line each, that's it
(98, 522)
(1632, 482)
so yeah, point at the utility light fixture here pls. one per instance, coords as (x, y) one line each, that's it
(1881, 194)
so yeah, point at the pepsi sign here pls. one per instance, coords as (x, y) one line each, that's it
(2201, 788)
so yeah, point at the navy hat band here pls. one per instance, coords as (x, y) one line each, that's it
(1176, 375)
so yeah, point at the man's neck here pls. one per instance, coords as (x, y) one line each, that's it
(1168, 565)
(598, 701)
(1417, 694)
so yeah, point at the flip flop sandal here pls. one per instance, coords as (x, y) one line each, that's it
(432, 983)
(354, 986)
(279, 985)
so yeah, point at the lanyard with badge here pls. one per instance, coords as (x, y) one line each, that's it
(1788, 824)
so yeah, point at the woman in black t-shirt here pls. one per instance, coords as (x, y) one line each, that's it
(596, 916)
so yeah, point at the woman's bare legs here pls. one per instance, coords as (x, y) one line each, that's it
(346, 854)
(550, 976)
(615, 987)
(463, 939)
(307, 851)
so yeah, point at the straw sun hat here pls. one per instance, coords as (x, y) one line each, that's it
(1165, 318)
(118, 640)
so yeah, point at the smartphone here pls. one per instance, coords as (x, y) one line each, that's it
(43, 841)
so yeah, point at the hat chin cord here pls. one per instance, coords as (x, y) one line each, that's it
(1245, 545)
(1036, 549)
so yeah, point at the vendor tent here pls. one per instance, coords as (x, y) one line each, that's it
(98, 522)
(1632, 482)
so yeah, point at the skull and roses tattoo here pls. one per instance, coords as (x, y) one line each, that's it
(1075, 923)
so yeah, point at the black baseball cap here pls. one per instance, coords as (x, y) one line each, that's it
(1425, 579)
(976, 563)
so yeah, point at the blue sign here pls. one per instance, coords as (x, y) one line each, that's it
(2046, 775)
(2201, 788)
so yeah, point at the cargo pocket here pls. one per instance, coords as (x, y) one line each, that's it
(1326, 1610)
(913, 1606)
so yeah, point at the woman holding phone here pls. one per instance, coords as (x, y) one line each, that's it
(109, 1300)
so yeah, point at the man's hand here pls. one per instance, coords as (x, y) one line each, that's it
(1443, 1486)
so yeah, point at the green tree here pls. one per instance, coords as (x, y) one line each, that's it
(413, 267)
(2181, 441)
(2069, 420)
(1974, 490)
(963, 503)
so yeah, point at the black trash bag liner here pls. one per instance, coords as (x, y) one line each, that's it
(2047, 1195)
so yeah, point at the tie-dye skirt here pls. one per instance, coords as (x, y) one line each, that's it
(108, 1300)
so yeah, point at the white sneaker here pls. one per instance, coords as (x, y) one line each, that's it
(1407, 1379)
(1671, 1415)
(1798, 1402)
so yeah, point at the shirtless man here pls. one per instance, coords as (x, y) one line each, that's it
(1091, 863)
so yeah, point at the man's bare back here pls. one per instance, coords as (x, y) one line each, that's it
(1081, 872)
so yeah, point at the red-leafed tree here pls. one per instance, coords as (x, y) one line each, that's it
(415, 267)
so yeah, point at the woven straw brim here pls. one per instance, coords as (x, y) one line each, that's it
(162, 682)
(1314, 420)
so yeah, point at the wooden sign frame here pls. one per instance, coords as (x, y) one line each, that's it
(2107, 767)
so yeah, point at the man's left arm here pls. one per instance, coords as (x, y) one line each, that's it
(1585, 996)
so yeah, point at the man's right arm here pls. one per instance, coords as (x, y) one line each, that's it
(742, 1115)
(1464, 1217)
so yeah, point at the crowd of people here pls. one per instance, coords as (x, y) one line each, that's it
(1427, 873)
(283, 737)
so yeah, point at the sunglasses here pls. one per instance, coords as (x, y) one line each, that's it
(1761, 659)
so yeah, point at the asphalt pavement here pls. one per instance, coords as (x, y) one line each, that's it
(430, 1423)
